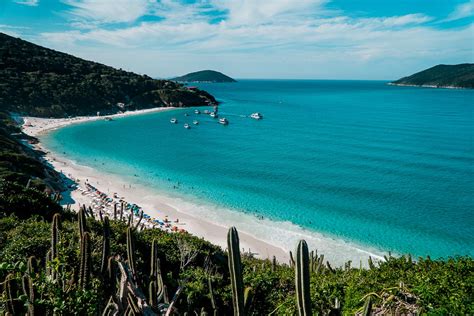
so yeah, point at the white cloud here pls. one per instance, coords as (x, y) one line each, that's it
(32, 3)
(462, 11)
(282, 35)
(108, 11)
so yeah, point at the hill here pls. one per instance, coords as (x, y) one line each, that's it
(38, 81)
(205, 76)
(441, 76)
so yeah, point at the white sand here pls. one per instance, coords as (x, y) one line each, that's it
(212, 231)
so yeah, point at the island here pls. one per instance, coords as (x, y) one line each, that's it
(204, 76)
(46, 83)
(441, 76)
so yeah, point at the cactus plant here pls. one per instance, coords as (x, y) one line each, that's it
(140, 218)
(367, 310)
(54, 243)
(27, 285)
(130, 250)
(85, 261)
(8, 292)
(292, 260)
(82, 223)
(235, 269)
(302, 277)
(105, 245)
(155, 287)
(211, 295)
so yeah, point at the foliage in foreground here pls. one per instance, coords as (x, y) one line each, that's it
(56, 282)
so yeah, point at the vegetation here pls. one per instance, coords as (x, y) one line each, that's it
(48, 268)
(46, 83)
(205, 76)
(459, 76)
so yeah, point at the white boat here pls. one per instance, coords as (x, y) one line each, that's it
(186, 126)
(213, 114)
(195, 122)
(206, 112)
(197, 112)
(256, 116)
(173, 121)
(223, 121)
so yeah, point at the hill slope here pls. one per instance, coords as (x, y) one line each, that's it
(205, 76)
(42, 82)
(458, 76)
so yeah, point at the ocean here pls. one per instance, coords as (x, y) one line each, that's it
(361, 163)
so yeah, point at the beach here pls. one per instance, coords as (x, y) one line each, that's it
(156, 206)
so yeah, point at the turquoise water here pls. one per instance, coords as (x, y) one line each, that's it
(381, 166)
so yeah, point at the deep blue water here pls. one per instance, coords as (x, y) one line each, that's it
(383, 166)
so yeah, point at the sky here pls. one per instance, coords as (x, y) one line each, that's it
(280, 39)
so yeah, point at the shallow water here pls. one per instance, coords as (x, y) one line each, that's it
(385, 167)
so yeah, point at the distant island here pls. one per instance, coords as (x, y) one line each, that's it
(42, 82)
(204, 76)
(441, 76)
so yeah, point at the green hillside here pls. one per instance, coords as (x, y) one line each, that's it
(42, 82)
(204, 76)
(457, 76)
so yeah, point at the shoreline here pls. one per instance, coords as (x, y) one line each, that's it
(427, 86)
(199, 219)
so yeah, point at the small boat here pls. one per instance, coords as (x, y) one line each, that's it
(173, 121)
(206, 112)
(195, 122)
(223, 121)
(186, 114)
(186, 126)
(256, 116)
(213, 114)
(197, 112)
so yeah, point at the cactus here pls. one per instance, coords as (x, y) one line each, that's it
(302, 276)
(211, 295)
(371, 263)
(105, 245)
(27, 284)
(139, 220)
(248, 299)
(130, 250)
(292, 260)
(8, 289)
(367, 310)
(235, 269)
(54, 244)
(82, 222)
(274, 263)
(155, 287)
(85, 261)
(115, 211)
(121, 211)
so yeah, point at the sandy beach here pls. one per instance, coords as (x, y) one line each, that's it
(156, 206)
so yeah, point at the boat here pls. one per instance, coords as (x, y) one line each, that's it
(173, 121)
(186, 126)
(256, 116)
(223, 121)
(206, 112)
(197, 112)
(186, 114)
(213, 114)
(195, 122)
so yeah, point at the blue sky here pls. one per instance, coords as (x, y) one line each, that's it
(305, 39)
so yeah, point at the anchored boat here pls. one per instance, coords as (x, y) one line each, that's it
(223, 121)
(173, 120)
(256, 116)
(186, 126)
